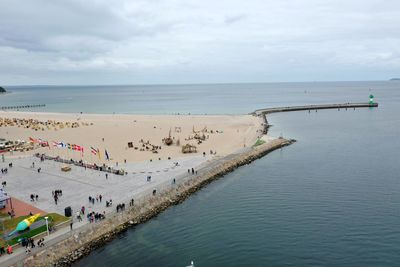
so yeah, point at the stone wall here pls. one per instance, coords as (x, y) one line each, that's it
(81, 242)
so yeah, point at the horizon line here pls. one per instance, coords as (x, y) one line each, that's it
(180, 84)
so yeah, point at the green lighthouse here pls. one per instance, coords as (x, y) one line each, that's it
(371, 99)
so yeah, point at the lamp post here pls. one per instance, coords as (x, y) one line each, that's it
(47, 225)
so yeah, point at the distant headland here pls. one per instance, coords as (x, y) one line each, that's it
(395, 79)
(2, 90)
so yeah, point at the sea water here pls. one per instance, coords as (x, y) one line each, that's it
(194, 99)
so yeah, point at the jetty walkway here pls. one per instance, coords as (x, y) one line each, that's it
(265, 111)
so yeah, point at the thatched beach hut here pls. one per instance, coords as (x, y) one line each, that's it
(189, 149)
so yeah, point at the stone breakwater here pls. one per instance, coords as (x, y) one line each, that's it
(82, 241)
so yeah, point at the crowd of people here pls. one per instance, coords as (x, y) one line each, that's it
(96, 216)
(35, 124)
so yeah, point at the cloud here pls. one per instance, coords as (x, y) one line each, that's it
(171, 41)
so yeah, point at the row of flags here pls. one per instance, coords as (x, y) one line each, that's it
(39, 141)
(74, 147)
(68, 146)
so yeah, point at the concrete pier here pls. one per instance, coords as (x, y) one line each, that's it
(264, 111)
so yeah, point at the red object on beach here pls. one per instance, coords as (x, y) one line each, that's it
(33, 140)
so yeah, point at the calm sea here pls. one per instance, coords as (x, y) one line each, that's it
(330, 199)
(195, 99)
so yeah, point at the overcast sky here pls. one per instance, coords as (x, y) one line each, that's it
(197, 41)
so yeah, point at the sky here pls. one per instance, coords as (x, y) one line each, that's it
(93, 42)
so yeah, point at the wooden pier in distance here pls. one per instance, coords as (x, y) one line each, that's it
(23, 106)
(265, 111)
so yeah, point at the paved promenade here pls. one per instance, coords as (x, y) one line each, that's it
(78, 184)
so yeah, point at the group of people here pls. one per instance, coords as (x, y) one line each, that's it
(192, 170)
(120, 207)
(108, 203)
(97, 198)
(3, 250)
(4, 170)
(96, 216)
(56, 194)
(29, 244)
(34, 197)
(91, 216)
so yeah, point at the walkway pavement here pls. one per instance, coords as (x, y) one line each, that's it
(79, 184)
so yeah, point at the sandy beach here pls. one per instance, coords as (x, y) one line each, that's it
(223, 134)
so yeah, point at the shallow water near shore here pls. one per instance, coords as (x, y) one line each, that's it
(329, 199)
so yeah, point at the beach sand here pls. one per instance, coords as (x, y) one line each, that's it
(234, 132)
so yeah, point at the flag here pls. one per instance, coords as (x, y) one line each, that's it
(58, 144)
(42, 142)
(107, 157)
(94, 151)
(79, 148)
(33, 140)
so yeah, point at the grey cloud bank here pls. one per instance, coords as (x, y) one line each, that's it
(156, 41)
